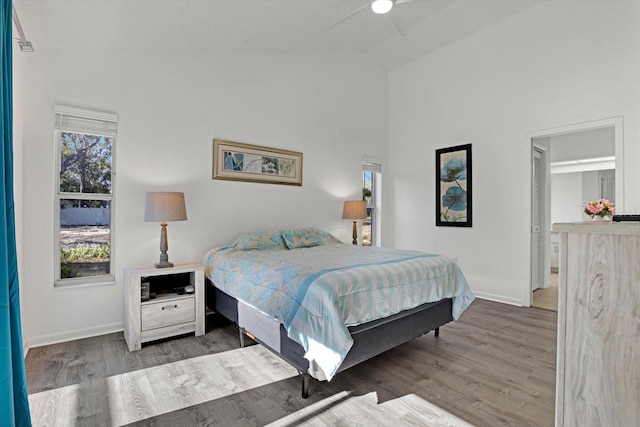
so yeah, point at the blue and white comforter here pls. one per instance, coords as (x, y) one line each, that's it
(317, 292)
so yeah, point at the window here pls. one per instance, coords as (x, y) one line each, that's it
(371, 185)
(85, 143)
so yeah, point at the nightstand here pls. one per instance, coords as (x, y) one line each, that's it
(168, 314)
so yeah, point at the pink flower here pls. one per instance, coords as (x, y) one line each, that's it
(600, 207)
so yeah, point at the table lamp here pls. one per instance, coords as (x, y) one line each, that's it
(355, 210)
(163, 207)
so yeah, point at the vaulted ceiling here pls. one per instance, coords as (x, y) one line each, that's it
(297, 25)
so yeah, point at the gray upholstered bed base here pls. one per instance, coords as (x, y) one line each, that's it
(369, 339)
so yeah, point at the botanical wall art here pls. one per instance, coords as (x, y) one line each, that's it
(453, 186)
(243, 162)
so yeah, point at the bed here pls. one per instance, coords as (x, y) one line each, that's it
(324, 306)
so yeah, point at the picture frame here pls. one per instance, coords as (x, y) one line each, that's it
(454, 205)
(236, 161)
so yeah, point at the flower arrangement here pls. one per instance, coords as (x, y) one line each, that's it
(601, 207)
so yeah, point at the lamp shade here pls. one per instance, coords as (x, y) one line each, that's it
(168, 206)
(354, 209)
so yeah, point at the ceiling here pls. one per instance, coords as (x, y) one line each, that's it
(296, 25)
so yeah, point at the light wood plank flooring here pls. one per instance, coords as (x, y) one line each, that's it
(547, 298)
(493, 367)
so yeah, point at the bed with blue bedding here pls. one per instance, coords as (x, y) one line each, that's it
(324, 305)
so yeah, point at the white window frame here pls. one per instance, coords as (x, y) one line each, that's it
(376, 201)
(102, 124)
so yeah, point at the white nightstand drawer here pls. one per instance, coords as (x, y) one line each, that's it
(170, 312)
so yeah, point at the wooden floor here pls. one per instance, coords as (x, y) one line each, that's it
(493, 367)
(547, 298)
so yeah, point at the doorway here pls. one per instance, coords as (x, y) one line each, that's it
(572, 148)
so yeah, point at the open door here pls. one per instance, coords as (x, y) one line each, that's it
(537, 218)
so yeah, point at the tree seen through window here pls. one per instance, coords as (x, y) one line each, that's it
(85, 196)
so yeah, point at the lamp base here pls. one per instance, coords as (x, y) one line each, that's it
(355, 234)
(164, 246)
(164, 264)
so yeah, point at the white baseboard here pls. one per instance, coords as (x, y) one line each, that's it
(498, 298)
(72, 335)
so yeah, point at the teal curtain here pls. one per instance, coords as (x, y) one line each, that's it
(14, 401)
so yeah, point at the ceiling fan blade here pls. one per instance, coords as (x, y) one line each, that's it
(341, 20)
(398, 22)
(403, 1)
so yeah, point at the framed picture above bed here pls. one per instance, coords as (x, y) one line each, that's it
(453, 186)
(236, 161)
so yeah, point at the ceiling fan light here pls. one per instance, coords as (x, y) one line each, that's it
(381, 6)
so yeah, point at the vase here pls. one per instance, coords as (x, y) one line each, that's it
(600, 218)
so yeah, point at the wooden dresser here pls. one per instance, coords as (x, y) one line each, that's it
(598, 369)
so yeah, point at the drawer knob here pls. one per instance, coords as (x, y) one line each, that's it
(168, 306)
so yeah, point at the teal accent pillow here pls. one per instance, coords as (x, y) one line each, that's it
(260, 240)
(307, 238)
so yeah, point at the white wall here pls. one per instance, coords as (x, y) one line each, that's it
(171, 104)
(560, 63)
(590, 186)
(566, 197)
(589, 144)
(570, 191)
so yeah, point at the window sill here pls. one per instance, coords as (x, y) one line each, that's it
(84, 282)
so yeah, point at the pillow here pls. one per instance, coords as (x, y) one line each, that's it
(261, 240)
(307, 237)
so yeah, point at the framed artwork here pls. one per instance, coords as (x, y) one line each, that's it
(236, 161)
(453, 186)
